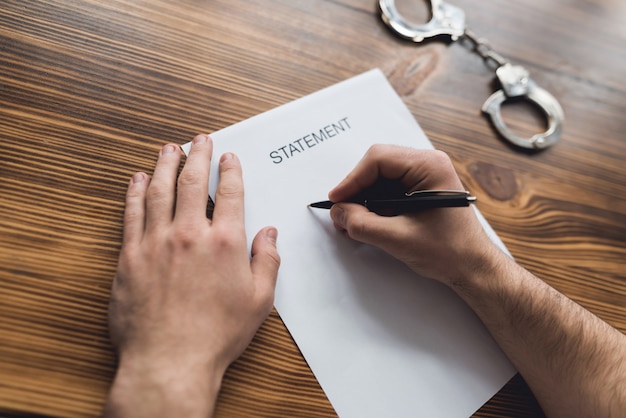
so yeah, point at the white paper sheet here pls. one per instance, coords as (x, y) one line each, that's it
(381, 341)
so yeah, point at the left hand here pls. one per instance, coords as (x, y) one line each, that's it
(187, 298)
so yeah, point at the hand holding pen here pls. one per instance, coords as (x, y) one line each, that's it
(434, 244)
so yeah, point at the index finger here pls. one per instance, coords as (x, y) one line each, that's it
(415, 169)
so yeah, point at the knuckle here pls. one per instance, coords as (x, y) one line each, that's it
(128, 253)
(183, 239)
(230, 165)
(275, 258)
(355, 226)
(132, 215)
(267, 300)
(264, 299)
(229, 191)
(377, 149)
(227, 238)
(134, 193)
(441, 158)
(444, 167)
(157, 193)
(190, 177)
(128, 266)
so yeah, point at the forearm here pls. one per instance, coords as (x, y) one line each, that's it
(573, 361)
(150, 390)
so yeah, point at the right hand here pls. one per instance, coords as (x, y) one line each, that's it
(446, 244)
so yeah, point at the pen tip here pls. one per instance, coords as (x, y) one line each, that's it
(326, 204)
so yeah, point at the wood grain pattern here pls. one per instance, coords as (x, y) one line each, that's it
(90, 90)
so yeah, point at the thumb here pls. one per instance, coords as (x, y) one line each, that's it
(265, 257)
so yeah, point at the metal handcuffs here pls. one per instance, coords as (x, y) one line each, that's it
(515, 82)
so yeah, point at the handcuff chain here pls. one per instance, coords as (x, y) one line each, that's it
(482, 47)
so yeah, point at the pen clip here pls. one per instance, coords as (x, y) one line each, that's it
(419, 200)
(441, 192)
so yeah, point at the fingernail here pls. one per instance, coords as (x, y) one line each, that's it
(200, 139)
(226, 157)
(272, 234)
(137, 178)
(168, 149)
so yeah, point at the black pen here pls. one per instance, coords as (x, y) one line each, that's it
(410, 202)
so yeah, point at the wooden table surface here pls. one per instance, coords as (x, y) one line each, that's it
(90, 89)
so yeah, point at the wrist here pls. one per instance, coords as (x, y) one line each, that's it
(483, 270)
(143, 387)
